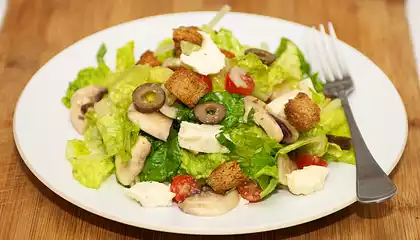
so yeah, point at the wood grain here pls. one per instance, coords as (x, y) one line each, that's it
(34, 31)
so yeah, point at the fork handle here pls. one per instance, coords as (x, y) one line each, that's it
(372, 183)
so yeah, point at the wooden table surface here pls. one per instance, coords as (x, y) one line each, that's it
(36, 30)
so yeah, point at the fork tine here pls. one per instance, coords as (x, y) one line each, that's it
(321, 50)
(311, 56)
(329, 54)
(342, 67)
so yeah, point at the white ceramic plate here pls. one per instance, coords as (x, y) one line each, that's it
(42, 127)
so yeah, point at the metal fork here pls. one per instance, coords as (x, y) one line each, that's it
(372, 183)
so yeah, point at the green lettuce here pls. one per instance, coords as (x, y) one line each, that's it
(224, 39)
(291, 59)
(336, 154)
(164, 160)
(255, 152)
(165, 50)
(125, 56)
(315, 145)
(333, 119)
(89, 169)
(265, 78)
(234, 104)
(184, 113)
(187, 47)
(201, 165)
(88, 76)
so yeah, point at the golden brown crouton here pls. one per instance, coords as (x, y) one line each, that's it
(187, 86)
(189, 34)
(148, 58)
(226, 176)
(302, 112)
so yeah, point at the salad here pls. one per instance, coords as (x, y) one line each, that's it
(205, 122)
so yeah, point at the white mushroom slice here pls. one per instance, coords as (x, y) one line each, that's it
(169, 111)
(155, 123)
(210, 204)
(285, 166)
(200, 138)
(81, 100)
(127, 172)
(262, 117)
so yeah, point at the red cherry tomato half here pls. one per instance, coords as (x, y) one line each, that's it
(249, 190)
(305, 160)
(231, 87)
(228, 54)
(184, 186)
(208, 81)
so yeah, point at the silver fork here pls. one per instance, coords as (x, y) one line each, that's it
(372, 183)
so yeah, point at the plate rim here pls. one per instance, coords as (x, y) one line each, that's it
(170, 229)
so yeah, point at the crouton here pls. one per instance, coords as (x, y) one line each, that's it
(189, 34)
(302, 112)
(226, 176)
(187, 86)
(148, 58)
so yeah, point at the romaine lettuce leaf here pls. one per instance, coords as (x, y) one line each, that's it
(88, 76)
(224, 39)
(234, 104)
(201, 165)
(164, 160)
(125, 56)
(89, 169)
(165, 50)
(336, 154)
(254, 150)
(333, 119)
(316, 145)
(291, 59)
(120, 92)
(265, 78)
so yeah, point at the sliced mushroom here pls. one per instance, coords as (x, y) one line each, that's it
(155, 123)
(81, 100)
(169, 111)
(262, 117)
(290, 133)
(285, 166)
(210, 204)
(127, 172)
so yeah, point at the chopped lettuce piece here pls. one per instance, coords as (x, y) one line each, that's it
(333, 119)
(125, 56)
(316, 145)
(265, 78)
(187, 47)
(184, 113)
(234, 104)
(255, 151)
(165, 50)
(88, 76)
(90, 170)
(159, 74)
(93, 139)
(120, 92)
(201, 165)
(225, 40)
(336, 154)
(291, 59)
(164, 160)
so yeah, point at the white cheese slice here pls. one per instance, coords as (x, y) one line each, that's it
(151, 194)
(307, 180)
(208, 60)
(200, 138)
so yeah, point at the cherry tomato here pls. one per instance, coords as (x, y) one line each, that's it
(249, 190)
(308, 160)
(208, 81)
(228, 54)
(184, 186)
(231, 87)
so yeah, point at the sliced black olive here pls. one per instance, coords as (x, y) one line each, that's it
(343, 142)
(148, 97)
(210, 112)
(266, 57)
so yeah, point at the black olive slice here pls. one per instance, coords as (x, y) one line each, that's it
(210, 112)
(148, 98)
(266, 57)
